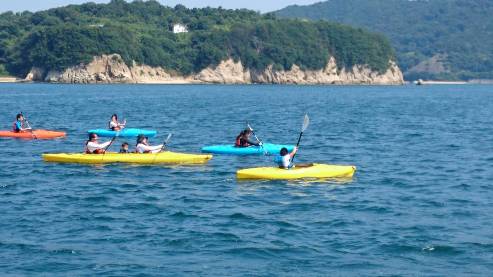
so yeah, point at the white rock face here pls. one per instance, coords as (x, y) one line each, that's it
(112, 69)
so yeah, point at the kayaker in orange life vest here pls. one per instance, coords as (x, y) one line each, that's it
(18, 126)
(244, 140)
(94, 147)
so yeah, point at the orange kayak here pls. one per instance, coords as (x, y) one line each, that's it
(35, 134)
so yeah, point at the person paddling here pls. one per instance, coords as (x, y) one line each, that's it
(244, 139)
(18, 126)
(115, 125)
(94, 147)
(285, 159)
(144, 147)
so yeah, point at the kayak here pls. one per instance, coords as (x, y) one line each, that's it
(35, 134)
(312, 171)
(159, 158)
(265, 149)
(125, 133)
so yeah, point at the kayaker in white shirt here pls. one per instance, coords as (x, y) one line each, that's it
(115, 125)
(284, 160)
(94, 147)
(144, 147)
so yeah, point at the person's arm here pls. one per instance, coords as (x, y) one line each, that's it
(104, 145)
(91, 146)
(156, 149)
(252, 142)
(28, 126)
(293, 152)
(152, 149)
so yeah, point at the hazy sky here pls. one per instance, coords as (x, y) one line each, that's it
(258, 5)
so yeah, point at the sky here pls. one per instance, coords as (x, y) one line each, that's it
(257, 5)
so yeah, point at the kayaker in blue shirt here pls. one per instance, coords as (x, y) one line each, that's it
(284, 160)
(244, 139)
(18, 126)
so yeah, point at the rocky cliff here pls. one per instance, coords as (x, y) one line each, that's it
(112, 69)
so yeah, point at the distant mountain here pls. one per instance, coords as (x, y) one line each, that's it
(434, 39)
(143, 32)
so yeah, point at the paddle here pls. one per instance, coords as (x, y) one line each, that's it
(29, 127)
(258, 140)
(306, 122)
(166, 141)
(111, 142)
(253, 132)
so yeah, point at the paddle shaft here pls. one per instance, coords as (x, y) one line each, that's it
(297, 144)
(111, 142)
(166, 141)
(30, 129)
(253, 132)
(163, 147)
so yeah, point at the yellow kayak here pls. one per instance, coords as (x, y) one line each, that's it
(159, 158)
(300, 172)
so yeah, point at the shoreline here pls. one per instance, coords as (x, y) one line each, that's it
(10, 80)
(432, 82)
(21, 81)
(14, 80)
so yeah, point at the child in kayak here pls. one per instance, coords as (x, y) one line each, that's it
(284, 160)
(144, 147)
(124, 149)
(18, 126)
(94, 147)
(115, 125)
(244, 140)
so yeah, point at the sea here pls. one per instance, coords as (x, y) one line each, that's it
(419, 204)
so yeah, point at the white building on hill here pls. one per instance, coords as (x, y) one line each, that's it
(180, 28)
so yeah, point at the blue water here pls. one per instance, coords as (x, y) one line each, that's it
(421, 202)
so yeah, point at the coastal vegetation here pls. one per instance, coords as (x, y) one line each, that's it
(141, 32)
(3, 71)
(439, 39)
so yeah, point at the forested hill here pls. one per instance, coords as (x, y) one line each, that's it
(436, 39)
(141, 31)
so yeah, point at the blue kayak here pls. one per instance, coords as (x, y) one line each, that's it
(125, 133)
(265, 149)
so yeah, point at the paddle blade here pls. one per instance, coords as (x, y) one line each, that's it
(306, 122)
(249, 127)
(168, 138)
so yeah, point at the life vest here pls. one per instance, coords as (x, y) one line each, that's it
(241, 142)
(14, 127)
(238, 141)
(97, 151)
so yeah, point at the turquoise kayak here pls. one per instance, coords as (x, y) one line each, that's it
(265, 149)
(125, 133)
